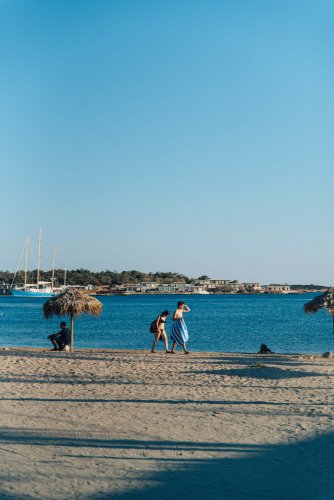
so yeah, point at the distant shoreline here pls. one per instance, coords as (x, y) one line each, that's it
(96, 350)
(129, 294)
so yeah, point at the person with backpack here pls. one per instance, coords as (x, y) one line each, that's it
(158, 328)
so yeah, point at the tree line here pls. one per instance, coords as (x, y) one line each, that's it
(85, 277)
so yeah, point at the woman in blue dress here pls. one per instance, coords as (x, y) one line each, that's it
(179, 331)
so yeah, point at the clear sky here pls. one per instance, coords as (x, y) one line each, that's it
(188, 136)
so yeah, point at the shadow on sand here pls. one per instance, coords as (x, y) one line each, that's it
(303, 470)
(262, 371)
(298, 470)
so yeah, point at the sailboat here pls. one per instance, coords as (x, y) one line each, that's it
(43, 289)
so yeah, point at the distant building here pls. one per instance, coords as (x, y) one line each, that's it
(231, 286)
(277, 289)
(133, 288)
(253, 287)
(208, 283)
(149, 285)
(235, 285)
(174, 287)
(216, 283)
(214, 286)
(205, 284)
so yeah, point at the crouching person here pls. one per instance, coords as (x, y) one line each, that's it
(61, 340)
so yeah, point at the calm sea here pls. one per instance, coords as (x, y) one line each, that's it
(230, 323)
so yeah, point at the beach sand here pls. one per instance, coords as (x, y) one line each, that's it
(130, 424)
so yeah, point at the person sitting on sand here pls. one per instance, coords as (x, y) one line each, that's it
(60, 340)
(160, 333)
(179, 331)
(265, 350)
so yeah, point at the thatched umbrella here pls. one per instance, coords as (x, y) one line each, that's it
(72, 303)
(325, 300)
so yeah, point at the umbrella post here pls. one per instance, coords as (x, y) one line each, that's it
(72, 333)
(333, 331)
(72, 304)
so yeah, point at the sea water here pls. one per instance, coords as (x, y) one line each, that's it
(226, 323)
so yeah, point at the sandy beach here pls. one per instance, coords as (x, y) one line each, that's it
(130, 424)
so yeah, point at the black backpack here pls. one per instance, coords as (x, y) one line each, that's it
(153, 327)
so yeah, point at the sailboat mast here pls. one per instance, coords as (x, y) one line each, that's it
(26, 265)
(53, 269)
(65, 275)
(39, 257)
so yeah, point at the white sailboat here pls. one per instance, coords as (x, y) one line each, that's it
(43, 289)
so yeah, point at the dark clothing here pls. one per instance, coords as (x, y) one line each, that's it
(62, 338)
(65, 336)
(265, 350)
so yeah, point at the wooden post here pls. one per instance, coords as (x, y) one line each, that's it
(72, 333)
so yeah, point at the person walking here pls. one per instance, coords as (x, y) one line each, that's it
(160, 332)
(179, 331)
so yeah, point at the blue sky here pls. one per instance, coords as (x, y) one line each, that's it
(188, 136)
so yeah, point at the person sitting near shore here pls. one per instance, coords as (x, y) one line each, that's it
(265, 350)
(61, 340)
(160, 333)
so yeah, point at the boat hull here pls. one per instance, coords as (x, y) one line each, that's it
(32, 295)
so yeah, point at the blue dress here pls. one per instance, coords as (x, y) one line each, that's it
(179, 332)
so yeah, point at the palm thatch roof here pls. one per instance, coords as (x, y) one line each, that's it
(324, 300)
(72, 303)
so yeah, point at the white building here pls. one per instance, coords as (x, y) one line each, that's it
(277, 288)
